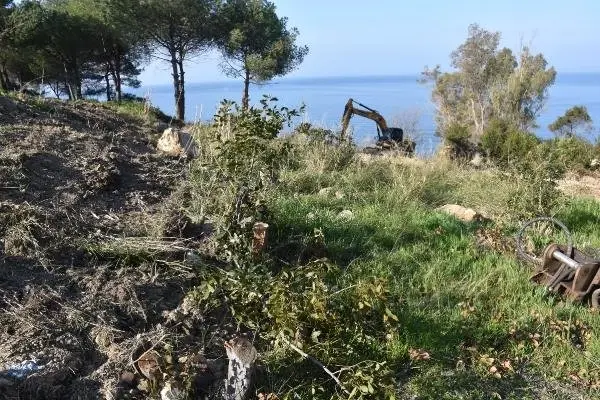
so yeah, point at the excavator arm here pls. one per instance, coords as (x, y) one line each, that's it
(369, 113)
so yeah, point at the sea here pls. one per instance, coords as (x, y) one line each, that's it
(402, 100)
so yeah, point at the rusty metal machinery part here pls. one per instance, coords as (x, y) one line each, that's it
(521, 253)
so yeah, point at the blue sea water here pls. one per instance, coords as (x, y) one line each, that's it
(397, 98)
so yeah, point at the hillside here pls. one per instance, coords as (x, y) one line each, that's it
(110, 248)
(74, 175)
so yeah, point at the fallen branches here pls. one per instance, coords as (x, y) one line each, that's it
(316, 362)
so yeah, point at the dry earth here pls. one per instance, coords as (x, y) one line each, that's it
(587, 185)
(72, 178)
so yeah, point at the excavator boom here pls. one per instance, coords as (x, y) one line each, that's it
(369, 113)
(387, 137)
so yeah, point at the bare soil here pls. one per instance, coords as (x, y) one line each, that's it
(586, 185)
(72, 177)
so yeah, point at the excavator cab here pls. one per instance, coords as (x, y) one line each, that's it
(387, 137)
(395, 134)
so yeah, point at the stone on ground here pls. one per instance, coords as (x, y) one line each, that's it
(462, 213)
(177, 143)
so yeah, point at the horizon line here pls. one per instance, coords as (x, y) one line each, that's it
(323, 77)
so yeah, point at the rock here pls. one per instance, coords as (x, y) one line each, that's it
(594, 163)
(160, 126)
(462, 213)
(127, 378)
(445, 152)
(177, 143)
(171, 392)
(325, 191)
(346, 215)
(477, 160)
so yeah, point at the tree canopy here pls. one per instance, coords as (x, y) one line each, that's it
(79, 48)
(178, 30)
(489, 83)
(256, 43)
(574, 119)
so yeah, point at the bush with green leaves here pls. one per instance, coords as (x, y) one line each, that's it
(304, 304)
(458, 138)
(230, 185)
(506, 145)
(574, 153)
(538, 173)
(247, 151)
(316, 134)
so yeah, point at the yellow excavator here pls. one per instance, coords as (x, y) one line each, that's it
(387, 138)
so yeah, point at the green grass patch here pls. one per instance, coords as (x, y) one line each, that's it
(470, 325)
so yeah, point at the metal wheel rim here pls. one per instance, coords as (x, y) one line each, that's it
(521, 253)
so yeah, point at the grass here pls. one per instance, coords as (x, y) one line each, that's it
(399, 300)
(484, 331)
(138, 109)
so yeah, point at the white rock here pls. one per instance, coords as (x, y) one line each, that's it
(169, 392)
(477, 160)
(462, 213)
(325, 191)
(346, 215)
(175, 142)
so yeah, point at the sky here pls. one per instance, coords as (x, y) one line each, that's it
(395, 37)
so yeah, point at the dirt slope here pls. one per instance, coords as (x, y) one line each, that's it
(586, 185)
(72, 175)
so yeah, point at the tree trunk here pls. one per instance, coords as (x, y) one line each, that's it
(77, 81)
(68, 83)
(3, 80)
(108, 97)
(246, 96)
(79, 93)
(118, 89)
(179, 110)
(117, 77)
(181, 102)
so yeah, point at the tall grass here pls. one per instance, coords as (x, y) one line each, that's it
(471, 309)
(399, 299)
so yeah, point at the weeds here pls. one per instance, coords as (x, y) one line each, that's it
(361, 273)
(399, 296)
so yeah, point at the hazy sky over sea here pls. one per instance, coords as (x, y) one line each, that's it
(391, 37)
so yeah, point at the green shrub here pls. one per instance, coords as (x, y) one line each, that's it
(506, 145)
(538, 173)
(316, 134)
(458, 140)
(241, 160)
(457, 134)
(574, 153)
